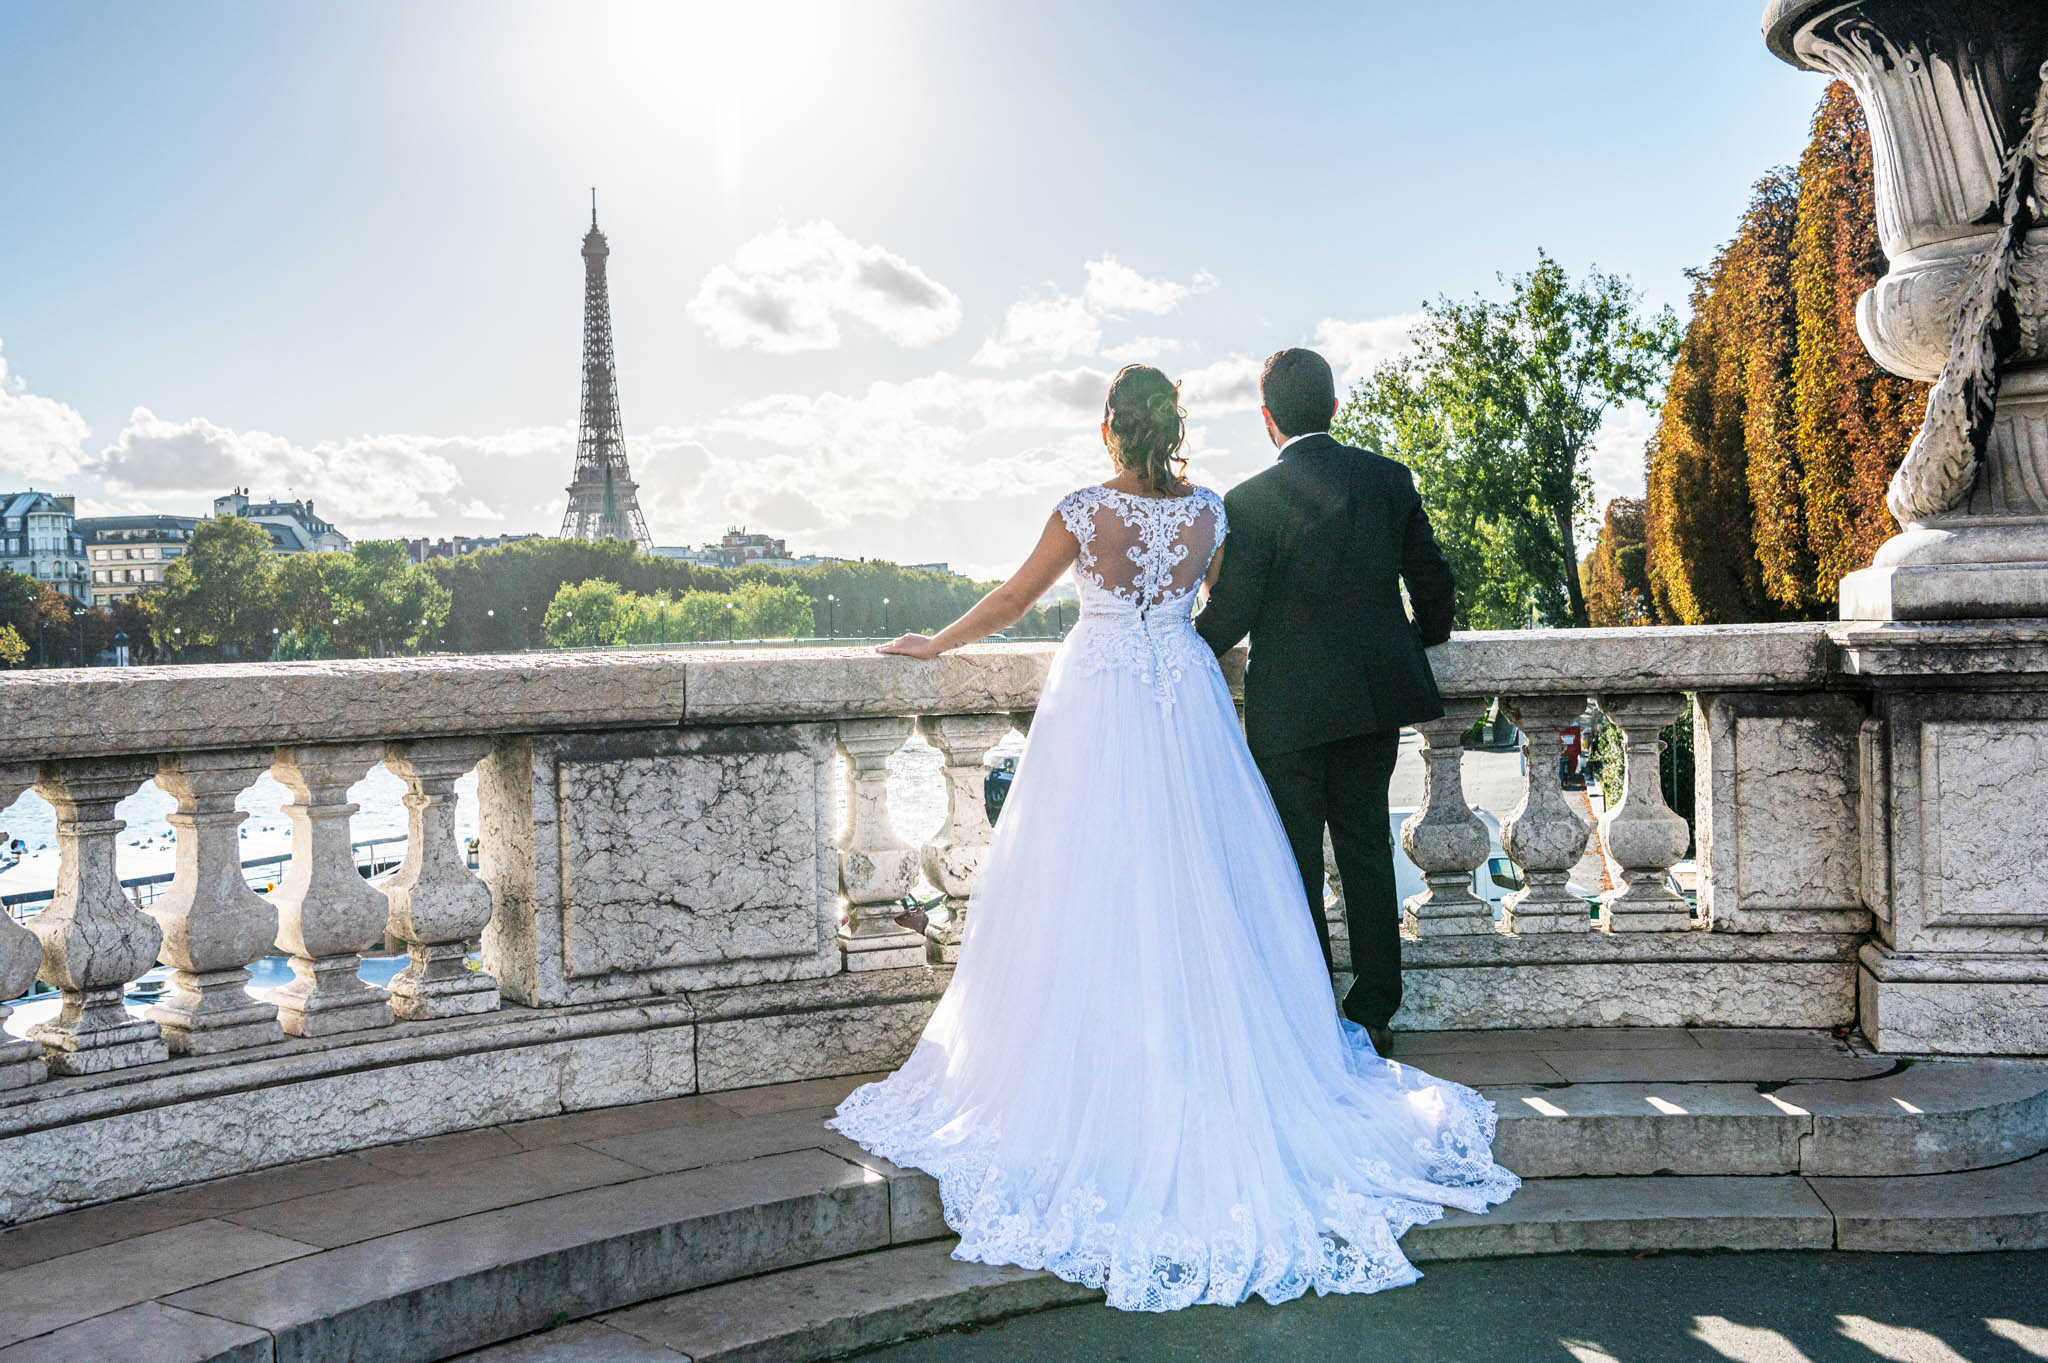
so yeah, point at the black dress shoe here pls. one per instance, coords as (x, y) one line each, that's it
(1382, 1039)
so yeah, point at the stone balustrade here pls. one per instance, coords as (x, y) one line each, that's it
(688, 872)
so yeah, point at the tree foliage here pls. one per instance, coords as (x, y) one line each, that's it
(1496, 412)
(229, 595)
(1617, 574)
(586, 614)
(1767, 472)
(500, 598)
(597, 613)
(13, 648)
(217, 594)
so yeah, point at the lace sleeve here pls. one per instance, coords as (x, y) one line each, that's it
(1077, 510)
(1214, 501)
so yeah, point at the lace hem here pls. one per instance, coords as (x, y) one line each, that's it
(1006, 1215)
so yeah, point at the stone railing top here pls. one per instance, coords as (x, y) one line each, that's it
(1927, 653)
(98, 711)
(1587, 661)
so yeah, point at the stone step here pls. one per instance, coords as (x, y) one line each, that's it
(830, 1310)
(427, 1249)
(1738, 1103)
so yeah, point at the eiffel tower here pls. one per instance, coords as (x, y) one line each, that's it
(603, 500)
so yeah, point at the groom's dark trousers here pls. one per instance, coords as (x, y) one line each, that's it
(1317, 551)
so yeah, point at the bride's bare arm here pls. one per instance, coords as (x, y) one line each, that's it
(1004, 606)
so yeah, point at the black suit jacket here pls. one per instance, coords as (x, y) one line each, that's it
(1317, 549)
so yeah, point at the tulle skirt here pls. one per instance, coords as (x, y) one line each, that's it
(1138, 1078)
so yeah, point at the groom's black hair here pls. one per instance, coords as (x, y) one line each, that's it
(1298, 388)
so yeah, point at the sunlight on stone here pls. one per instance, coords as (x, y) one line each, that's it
(1546, 1107)
(1583, 1351)
(2032, 1338)
(1908, 1106)
(1745, 1343)
(1899, 1343)
(1789, 1109)
(1665, 1106)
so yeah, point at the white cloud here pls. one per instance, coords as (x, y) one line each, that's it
(1355, 349)
(370, 486)
(1228, 385)
(785, 291)
(41, 439)
(1044, 330)
(1616, 459)
(1053, 325)
(1115, 288)
(1141, 350)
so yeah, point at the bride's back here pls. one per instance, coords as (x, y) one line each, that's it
(1139, 553)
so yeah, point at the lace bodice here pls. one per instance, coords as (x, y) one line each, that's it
(1140, 564)
(1141, 554)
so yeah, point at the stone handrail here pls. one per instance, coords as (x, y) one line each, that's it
(664, 825)
(103, 711)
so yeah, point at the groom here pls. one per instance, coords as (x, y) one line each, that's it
(1318, 549)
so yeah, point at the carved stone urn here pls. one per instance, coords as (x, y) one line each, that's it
(1949, 88)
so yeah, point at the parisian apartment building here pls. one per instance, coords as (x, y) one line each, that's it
(39, 538)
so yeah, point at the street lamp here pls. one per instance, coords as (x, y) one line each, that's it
(885, 617)
(732, 611)
(832, 613)
(78, 614)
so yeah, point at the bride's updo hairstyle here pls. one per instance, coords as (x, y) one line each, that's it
(1146, 427)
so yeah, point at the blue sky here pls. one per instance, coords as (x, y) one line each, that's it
(871, 262)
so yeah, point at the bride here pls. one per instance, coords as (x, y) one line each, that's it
(1138, 1078)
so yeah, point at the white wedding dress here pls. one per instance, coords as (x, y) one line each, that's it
(1138, 1078)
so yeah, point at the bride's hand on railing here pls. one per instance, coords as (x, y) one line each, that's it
(912, 646)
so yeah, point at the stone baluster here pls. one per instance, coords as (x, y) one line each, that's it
(1444, 837)
(438, 906)
(954, 855)
(876, 866)
(21, 1061)
(213, 923)
(1544, 834)
(327, 914)
(1644, 833)
(1334, 916)
(94, 940)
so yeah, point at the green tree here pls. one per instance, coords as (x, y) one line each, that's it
(1496, 411)
(587, 614)
(773, 610)
(1396, 411)
(302, 597)
(383, 600)
(699, 616)
(217, 594)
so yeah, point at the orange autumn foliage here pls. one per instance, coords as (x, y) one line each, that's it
(1767, 473)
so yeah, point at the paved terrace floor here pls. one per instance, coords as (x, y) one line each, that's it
(308, 1248)
(1765, 1307)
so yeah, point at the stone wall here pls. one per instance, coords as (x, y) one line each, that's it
(664, 904)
